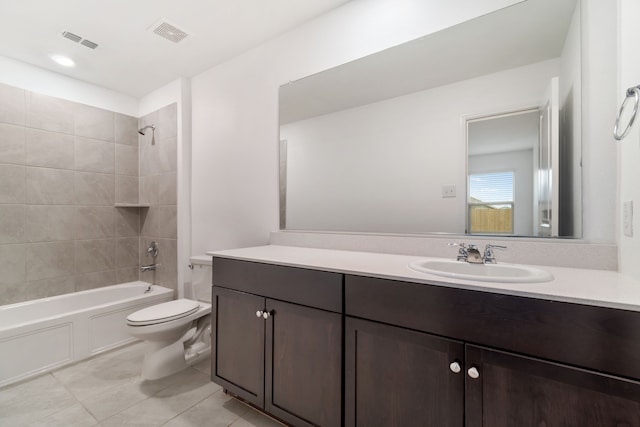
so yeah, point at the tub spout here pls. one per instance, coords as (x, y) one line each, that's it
(150, 267)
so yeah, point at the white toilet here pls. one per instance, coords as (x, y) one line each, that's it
(177, 333)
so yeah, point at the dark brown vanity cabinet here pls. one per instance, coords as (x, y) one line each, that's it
(513, 390)
(399, 377)
(277, 339)
(422, 355)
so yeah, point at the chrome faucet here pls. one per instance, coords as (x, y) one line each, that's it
(150, 267)
(152, 250)
(462, 251)
(489, 257)
(471, 254)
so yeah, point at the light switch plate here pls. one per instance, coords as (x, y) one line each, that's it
(627, 218)
(448, 191)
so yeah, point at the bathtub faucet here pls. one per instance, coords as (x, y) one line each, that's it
(150, 267)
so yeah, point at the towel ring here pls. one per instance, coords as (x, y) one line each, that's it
(631, 92)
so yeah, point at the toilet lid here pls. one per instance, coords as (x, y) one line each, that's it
(164, 312)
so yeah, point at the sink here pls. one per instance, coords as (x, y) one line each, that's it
(507, 273)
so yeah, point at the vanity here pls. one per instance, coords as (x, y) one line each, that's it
(320, 337)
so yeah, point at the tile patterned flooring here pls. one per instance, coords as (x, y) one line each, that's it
(107, 391)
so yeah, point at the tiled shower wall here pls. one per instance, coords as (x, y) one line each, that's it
(63, 166)
(158, 188)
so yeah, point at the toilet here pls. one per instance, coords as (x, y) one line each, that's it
(177, 333)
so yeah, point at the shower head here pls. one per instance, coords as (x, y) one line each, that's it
(141, 130)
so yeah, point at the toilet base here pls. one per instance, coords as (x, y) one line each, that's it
(161, 360)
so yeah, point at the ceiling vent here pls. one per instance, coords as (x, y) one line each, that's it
(76, 38)
(168, 31)
(89, 44)
(71, 36)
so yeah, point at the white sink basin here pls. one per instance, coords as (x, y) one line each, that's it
(509, 273)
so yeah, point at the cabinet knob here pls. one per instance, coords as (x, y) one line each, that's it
(455, 367)
(473, 373)
(266, 315)
(259, 313)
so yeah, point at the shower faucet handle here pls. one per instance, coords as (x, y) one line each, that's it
(152, 250)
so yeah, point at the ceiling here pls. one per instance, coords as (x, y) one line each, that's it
(130, 58)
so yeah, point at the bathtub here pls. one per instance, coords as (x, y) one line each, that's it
(40, 335)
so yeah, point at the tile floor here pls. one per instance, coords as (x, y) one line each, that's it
(107, 391)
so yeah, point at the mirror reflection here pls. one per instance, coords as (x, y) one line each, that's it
(414, 139)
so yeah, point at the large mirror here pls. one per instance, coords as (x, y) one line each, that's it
(426, 137)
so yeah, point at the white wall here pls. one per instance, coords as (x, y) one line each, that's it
(405, 149)
(598, 111)
(25, 76)
(235, 105)
(629, 148)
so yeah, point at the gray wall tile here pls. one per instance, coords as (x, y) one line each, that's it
(159, 158)
(95, 280)
(127, 274)
(127, 252)
(168, 122)
(152, 118)
(12, 178)
(49, 260)
(149, 189)
(167, 188)
(12, 144)
(11, 293)
(93, 155)
(59, 178)
(127, 222)
(49, 113)
(12, 105)
(94, 222)
(48, 223)
(11, 224)
(92, 122)
(126, 189)
(95, 255)
(167, 222)
(49, 186)
(126, 160)
(126, 130)
(94, 189)
(167, 155)
(12, 264)
(167, 272)
(51, 149)
(149, 222)
(49, 287)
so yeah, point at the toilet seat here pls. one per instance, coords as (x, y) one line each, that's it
(164, 312)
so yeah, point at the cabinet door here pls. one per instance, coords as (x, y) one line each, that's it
(399, 377)
(237, 361)
(304, 365)
(512, 390)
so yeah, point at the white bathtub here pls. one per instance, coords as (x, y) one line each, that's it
(40, 335)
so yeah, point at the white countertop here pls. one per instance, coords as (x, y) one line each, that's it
(577, 285)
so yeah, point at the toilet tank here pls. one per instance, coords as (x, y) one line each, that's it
(201, 277)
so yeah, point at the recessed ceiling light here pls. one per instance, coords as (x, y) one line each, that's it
(65, 61)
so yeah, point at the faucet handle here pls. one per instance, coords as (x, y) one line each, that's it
(488, 257)
(462, 250)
